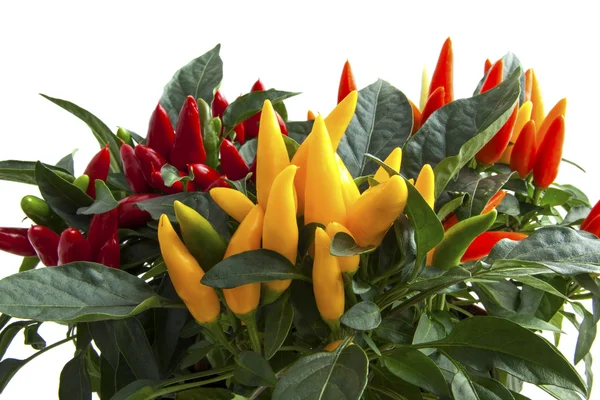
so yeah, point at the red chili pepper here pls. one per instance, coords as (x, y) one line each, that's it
(417, 117)
(130, 215)
(15, 241)
(549, 154)
(253, 170)
(97, 169)
(492, 203)
(487, 66)
(102, 228)
(188, 147)
(110, 253)
(258, 86)
(204, 176)
(219, 105)
(72, 246)
(240, 133)
(133, 170)
(595, 211)
(347, 83)
(150, 161)
(282, 125)
(219, 183)
(160, 132)
(492, 151)
(45, 242)
(443, 73)
(494, 77)
(434, 102)
(523, 154)
(251, 124)
(158, 183)
(232, 163)
(482, 245)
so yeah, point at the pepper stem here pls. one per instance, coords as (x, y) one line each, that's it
(336, 330)
(348, 288)
(250, 320)
(214, 329)
(537, 195)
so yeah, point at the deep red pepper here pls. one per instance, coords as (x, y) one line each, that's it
(253, 170)
(494, 76)
(492, 151)
(258, 86)
(160, 132)
(251, 124)
(130, 215)
(188, 147)
(594, 212)
(102, 228)
(435, 101)
(176, 187)
(72, 246)
(219, 105)
(487, 66)
(347, 82)
(97, 168)
(110, 253)
(133, 170)
(523, 154)
(45, 242)
(150, 161)
(15, 241)
(482, 245)
(443, 73)
(204, 176)
(232, 163)
(282, 125)
(549, 154)
(240, 133)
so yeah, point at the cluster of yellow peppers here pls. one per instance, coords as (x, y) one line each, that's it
(316, 185)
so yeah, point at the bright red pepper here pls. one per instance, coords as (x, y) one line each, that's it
(492, 203)
(282, 126)
(595, 211)
(15, 241)
(347, 83)
(110, 253)
(232, 163)
(133, 170)
(482, 245)
(204, 176)
(219, 105)
(435, 101)
(103, 227)
(188, 147)
(523, 154)
(97, 169)
(549, 154)
(177, 187)
(45, 242)
(130, 215)
(494, 76)
(72, 246)
(443, 73)
(160, 132)
(492, 151)
(487, 66)
(258, 86)
(150, 161)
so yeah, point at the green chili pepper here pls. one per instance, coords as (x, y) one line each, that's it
(125, 136)
(82, 182)
(457, 239)
(39, 212)
(211, 131)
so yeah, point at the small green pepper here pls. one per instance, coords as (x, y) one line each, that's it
(125, 136)
(82, 182)
(211, 133)
(40, 212)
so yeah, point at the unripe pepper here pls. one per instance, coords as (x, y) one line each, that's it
(40, 212)
(103, 227)
(443, 73)
(537, 112)
(15, 241)
(82, 182)
(559, 109)
(188, 147)
(494, 76)
(425, 184)
(328, 285)
(232, 163)
(457, 239)
(280, 228)
(125, 136)
(524, 151)
(45, 243)
(72, 246)
(424, 89)
(110, 254)
(150, 160)
(97, 168)
(133, 170)
(523, 116)
(199, 236)
(393, 160)
(347, 264)
(130, 215)
(350, 191)
(375, 211)
(244, 299)
(347, 83)
(233, 202)
(492, 203)
(271, 155)
(324, 200)
(549, 154)
(492, 151)
(160, 136)
(204, 176)
(482, 245)
(434, 102)
(186, 274)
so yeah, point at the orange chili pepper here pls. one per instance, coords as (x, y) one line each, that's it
(482, 245)
(487, 66)
(537, 112)
(417, 116)
(443, 73)
(523, 153)
(435, 101)
(347, 83)
(549, 154)
(494, 77)
(492, 151)
(528, 84)
(591, 216)
(559, 108)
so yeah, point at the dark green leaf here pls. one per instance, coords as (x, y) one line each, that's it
(386, 379)
(248, 151)
(253, 370)
(8, 368)
(396, 329)
(560, 393)
(308, 323)
(137, 252)
(33, 338)
(434, 278)
(24, 171)
(197, 352)
(249, 104)
(415, 367)
(291, 146)
(428, 330)
(587, 333)
(67, 163)
(299, 130)
(74, 384)
(199, 79)
(102, 132)
(343, 245)
(104, 201)
(208, 394)
(8, 334)
(341, 375)
(382, 121)
(577, 193)
(134, 346)
(576, 215)
(363, 316)
(116, 181)
(277, 325)
(509, 205)
(137, 390)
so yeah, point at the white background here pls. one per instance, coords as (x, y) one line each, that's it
(113, 59)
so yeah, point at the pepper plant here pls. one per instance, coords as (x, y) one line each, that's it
(384, 250)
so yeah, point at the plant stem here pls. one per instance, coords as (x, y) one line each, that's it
(584, 296)
(179, 388)
(299, 349)
(537, 194)
(348, 288)
(196, 375)
(45, 349)
(217, 333)
(336, 331)
(459, 309)
(250, 321)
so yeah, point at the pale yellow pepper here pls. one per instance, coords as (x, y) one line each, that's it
(232, 201)
(347, 264)
(349, 189)
(424, 88)
(328, 284)
(393, 160)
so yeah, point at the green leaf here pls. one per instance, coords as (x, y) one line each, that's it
(102, 132)
(62, 294)
(442, 279)
(24, 171)
(253, 370)
(74, 384)
(249, 104)
(250, 267)
(208, 394)
(363, 316)
(134, 345)
(7, 335)
(456, 132)
(299, 130)
(555, 197)
(104, 201)
(137, 252)
(416, 368)
(33, 338)
(8, 368)
(386, 379)
(290, 145)
(199, 78)
(341, 375)
(141, 389)
(484, 343)
(428, 330)
(382, 121)
(280, 316)
(343, 245)
(450, 206)
(587, 333)
(511, 63)
(68, 163)
(576, 192)
(170, 175)
(197, 352)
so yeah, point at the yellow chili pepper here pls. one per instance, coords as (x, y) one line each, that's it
(324, 200)
(559, 109)
(375, 211)
(424, 88)
(394, 160)
(523, 116)
(426, 184)
(271, 155)
(349, 189)
(280, 230)
(537, 111)
(244, 299)
(347, 264)
(186, 274)
(328, 284)
(232, 201)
